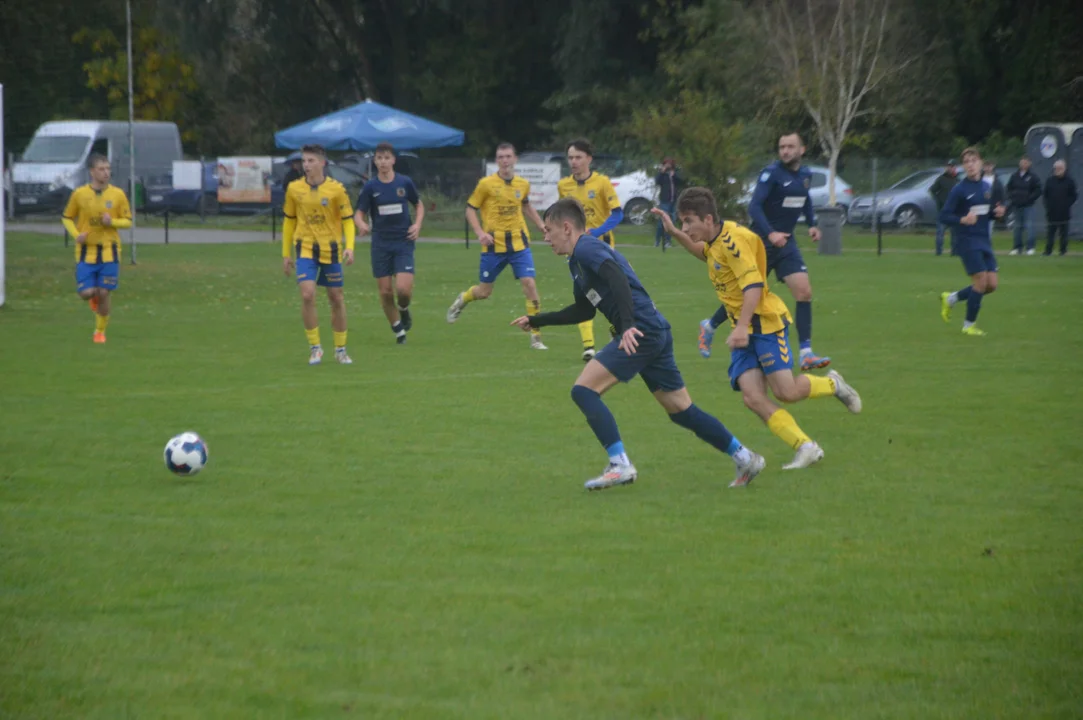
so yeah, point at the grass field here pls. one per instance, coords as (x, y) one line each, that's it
(408, 537)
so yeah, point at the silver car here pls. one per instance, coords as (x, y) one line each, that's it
(906, 204)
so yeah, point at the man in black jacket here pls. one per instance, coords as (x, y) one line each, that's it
(1060, 194)
(1024, 189)
(669, 185)
(940, 189)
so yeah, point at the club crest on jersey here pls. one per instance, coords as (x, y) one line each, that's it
(765, 176)
(717, 266)
(590, 194)
(806, 183)
(401, 192)
(988, 194)
(323, 201)
(108, 203)
(518, 195)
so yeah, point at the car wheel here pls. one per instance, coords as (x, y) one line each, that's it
(907, 216)
(637, 211)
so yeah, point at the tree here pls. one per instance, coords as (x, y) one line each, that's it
(832, 56)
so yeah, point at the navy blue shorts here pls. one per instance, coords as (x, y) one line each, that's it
(392, 257)
(653, 361)
(324, 274)
(977, 260)
(770, 353)
(492, 264)
(96, 275)
(786, 260)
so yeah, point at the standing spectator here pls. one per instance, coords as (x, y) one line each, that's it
(1024, 189)
(1060, 194)
(295, 172)
(669, 187)
(999, 196)
(940, 189)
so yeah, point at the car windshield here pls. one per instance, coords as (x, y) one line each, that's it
(56, 149)
(915, 180)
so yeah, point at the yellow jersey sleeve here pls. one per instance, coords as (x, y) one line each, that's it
(481, 192)
(71, 210)
(122, 206)
(344, 204)
(564, 186)
(289, 204)
(608, 192)
(526, 191)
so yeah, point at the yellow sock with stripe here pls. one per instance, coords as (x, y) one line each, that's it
(785, 429)
(468, 296)
(101, 322)
(340, 338)
(586, 332)
(533, 307)
(820, 386)
(313, 336)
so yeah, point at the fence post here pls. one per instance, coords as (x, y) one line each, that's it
(167, 225)
(11, 189)
(876, 212)
(466, 232)
(274, 216)
(202, 192)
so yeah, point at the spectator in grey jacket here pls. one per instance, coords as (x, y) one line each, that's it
(1060, 195)
(940, 189)
(1024, 189)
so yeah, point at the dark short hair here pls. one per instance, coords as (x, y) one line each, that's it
(314, 150)
(968, 152)
(384, 147)
(581, 144)
(567, 209)
(699, 201)
(95, 160)
(800, 140)
(506, 146)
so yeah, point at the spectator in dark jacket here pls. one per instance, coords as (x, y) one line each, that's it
(296, 171)
(1024, 189)
(1060, 195)
(940, 189)
(999, 195)
(669, 187)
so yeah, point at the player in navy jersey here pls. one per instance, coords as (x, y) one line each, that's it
(603, 281)
(971, 206)
(384, 208)
(780, 198)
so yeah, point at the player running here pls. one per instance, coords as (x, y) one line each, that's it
(969, 208)
(317, 217)
(759, 343)
(502, 199)
(604, 281)
(780, 198)
(93, 215)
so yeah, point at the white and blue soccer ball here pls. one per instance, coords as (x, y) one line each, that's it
(186, 454)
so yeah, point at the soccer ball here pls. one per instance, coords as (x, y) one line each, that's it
(186, 454)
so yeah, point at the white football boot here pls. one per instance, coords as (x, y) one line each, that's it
(747, 472)
(536, 343)
(614, 475)
(846, 393)
(808, 454)
(315, 357)
(456, 308)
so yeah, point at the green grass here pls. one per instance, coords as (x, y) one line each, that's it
(408, 537)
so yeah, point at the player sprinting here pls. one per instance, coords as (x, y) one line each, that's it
(92, 217)
(603, 281)
(502, 199)
(383, 207)
(595, 193)
(970, 207)
(759, 343)
(317, 218)
(780, 198)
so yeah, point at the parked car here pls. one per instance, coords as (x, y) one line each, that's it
(818, 191)
(909, 202)
(635, 190)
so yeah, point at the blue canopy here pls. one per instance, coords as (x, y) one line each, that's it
(367, 124)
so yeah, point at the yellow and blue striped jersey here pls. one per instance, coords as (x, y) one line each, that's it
(500, 203)
(85, 209)
(736, 261)
(597, 196)
(320, 212)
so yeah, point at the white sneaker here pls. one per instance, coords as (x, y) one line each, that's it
(536, 343)
(747, 472)
(614, 475)
(808, 454)
(845, 393)
(1015, 251)
(342, 357)
(316, 356)
(1030, 252)
(456, 309)
(588, 354)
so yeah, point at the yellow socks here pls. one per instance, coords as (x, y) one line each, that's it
(820, 386)
(340, 339)
(100, 323)
(586, 332)
(313, 336)
(785, 428)
(533, 307)
(468, 296)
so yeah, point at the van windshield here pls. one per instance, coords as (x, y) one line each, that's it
(56, 149)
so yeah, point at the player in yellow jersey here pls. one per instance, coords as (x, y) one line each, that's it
(595, 193)
(502, 199)
(759, 342)
(318, 217)
(93, 215)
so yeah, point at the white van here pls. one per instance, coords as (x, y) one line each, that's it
(54, 163)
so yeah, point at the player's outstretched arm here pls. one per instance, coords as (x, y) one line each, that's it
(581, 311)
(696, 248)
